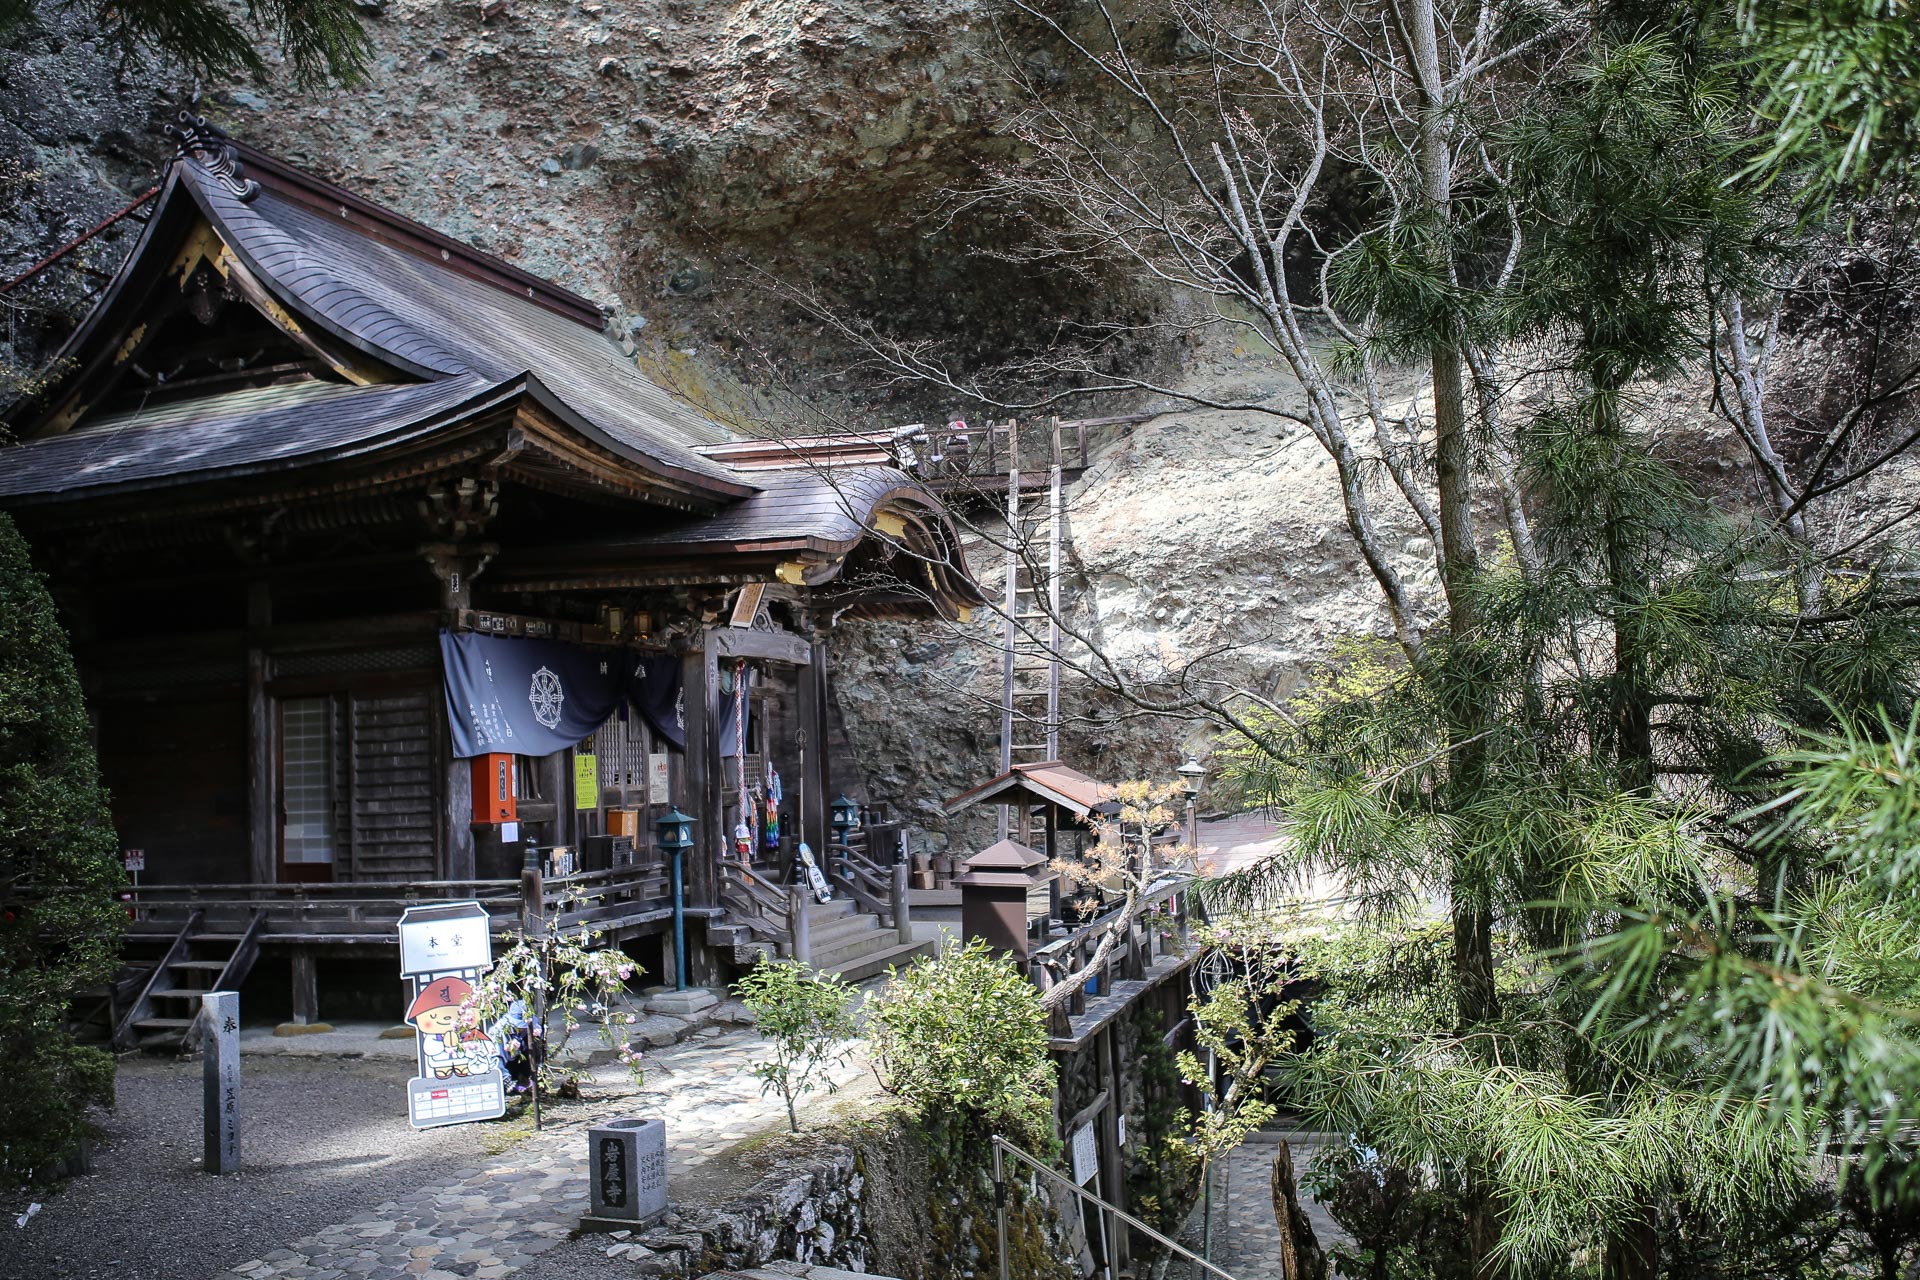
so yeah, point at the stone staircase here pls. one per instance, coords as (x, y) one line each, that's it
(853, 943)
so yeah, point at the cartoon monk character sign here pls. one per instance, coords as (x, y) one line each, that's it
(445, 947)
(446, 1048)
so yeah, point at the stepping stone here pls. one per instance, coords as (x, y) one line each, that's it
(682, 1004)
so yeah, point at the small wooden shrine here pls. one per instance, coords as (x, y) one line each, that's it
(1048, 805)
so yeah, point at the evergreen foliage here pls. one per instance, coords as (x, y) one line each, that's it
(1597, 765)
(1840, 80)
(60, 920)
(963, 1032)
(321, 40)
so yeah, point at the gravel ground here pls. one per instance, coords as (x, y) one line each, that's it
(584, 1258)
(321, 1139)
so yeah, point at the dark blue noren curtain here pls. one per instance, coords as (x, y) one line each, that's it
(654, 688)
(535, 697)
(529, 697)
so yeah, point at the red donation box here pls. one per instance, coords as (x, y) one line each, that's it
(493, 797)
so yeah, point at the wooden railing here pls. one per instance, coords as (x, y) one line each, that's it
(373, 908)
(1159, 928)
(751, 901)
(956, 452)
(594, 898)
(852, 872)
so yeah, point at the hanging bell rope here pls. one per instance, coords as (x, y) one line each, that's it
(744, 832)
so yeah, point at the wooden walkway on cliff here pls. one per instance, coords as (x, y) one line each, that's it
(958, 460)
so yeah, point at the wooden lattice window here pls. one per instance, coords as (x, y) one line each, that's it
(308, 826)
(358, 799)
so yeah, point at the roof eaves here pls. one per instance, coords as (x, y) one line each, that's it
(486, 397)
(165, 206)
(722, 486)
(236, 241)
(1009, 782)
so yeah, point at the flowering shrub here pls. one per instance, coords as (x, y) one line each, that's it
(556, 984)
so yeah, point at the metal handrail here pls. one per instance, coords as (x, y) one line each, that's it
(1000, 1144)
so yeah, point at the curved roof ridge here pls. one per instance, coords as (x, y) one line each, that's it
(416, 237)
(282, 264)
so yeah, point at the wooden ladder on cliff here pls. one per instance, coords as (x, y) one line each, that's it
(1030, 658)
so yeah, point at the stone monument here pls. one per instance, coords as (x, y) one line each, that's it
(628, 1160)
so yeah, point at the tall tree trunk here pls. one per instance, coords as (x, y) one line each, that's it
(1633, 1248)
(1466, 692)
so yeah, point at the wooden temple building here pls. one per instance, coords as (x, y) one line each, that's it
(383, 565)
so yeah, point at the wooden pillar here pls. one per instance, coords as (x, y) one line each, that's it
(1113, 1177)
(262, 810)
(902, 911)
(557, 787)
(669, 966)
(1054, 889)
(458, 820)
(306, 988)
(812, 717)
(798, 925)
(699, 677)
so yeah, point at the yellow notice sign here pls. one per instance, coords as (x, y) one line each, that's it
(586, 781)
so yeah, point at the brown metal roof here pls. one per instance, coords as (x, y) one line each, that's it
(1045, 781)
(424, 314)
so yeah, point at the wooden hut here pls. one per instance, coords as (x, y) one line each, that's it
(310, 470)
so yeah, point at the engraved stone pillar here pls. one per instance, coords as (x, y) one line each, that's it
(220, 1076)
(628, 1162)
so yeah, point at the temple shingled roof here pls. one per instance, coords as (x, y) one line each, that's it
(409, 352)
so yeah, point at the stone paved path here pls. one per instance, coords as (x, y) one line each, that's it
(1245, 1236)
(492, 1219)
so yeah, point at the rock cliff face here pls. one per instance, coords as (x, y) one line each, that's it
(1206, 540)
(665, 155)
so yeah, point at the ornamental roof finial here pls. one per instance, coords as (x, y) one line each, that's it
(207, 145)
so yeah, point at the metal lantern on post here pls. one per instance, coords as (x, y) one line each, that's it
(674, 833)
(1191, 774)
(846, 818)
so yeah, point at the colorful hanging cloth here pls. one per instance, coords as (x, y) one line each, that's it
(770, 829)
(743, 834)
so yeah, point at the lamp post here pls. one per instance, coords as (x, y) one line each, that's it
(674, 831)
(1190, 775)
(845, 819)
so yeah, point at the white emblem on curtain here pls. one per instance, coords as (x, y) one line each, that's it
(546, 697)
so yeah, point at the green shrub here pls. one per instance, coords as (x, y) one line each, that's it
(964, 1031)
(805, 1018)
(60, 921)
(1401, 1223)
